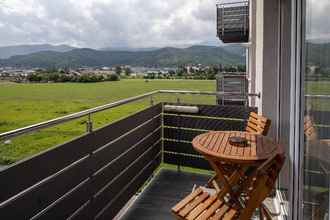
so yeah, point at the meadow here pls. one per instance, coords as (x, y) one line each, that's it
(26, 104)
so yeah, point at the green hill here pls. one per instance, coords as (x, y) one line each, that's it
(9, 51)
(318, 54)
(165, 57)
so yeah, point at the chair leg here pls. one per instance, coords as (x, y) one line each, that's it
(261, 214)
(210, 182)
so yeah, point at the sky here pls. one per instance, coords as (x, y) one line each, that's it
(318, 20)
(108, 23)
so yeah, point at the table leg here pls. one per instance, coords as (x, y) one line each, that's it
(226, 182)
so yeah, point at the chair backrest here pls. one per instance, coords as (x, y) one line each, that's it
(309, 129)
(261, 183)
(258, 124)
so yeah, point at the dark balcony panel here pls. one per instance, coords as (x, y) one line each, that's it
(203, 123)
(113, 197)
(186, 160)
(181, 134)
(180, 129)
(233, 22)
(165, 190)
(58, 158)
(57, 183)
(179, 147)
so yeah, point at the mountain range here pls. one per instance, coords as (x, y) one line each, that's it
(318, 54)
(66, 56)
(9, 51)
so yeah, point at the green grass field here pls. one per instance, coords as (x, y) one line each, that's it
(26, 104)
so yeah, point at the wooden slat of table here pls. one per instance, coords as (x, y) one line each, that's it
(260, 148)
(228, 146)
(240, 151)
(233, 149)
(214, 141)
(203, 139)
(253, 146)
(208, 140)
(223, 146)
(218, 143)
(247, 150)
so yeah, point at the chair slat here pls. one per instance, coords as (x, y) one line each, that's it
(201, 208)
(185, 211)
(220, 213)
(258, 124)
(185, 201)
(230, 214)
(259, 117)
(209, 212)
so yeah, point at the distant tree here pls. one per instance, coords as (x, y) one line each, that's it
(128, 71)
(241, 68)
(230, 69)
(216, 69)
(113, 77)
(179, 73)
(118, 70)
(171, 72)
(210, 73)
(34, 78)
(54, 77)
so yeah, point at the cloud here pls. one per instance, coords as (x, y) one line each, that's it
(317, 19)
(104, 23)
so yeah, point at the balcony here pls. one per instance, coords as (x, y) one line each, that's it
(233, 22)
(134, 168)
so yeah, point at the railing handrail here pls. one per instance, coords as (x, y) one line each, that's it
(243, 3)
(70, 117)
(318, 96)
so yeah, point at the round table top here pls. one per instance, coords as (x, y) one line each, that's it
(216, 144)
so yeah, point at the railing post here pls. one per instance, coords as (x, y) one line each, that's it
(151, 100)
(89, 124)
(178, 100)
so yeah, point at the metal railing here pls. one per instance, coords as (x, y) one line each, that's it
(317, 97)
(89, 112)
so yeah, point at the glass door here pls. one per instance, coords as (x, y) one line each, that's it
(316, 105)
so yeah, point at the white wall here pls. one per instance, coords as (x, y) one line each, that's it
(258, 44)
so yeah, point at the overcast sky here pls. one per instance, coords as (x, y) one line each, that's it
(318, 20)
(108, 23)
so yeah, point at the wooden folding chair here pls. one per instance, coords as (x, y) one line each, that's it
(204, 203)
(309, 129)
(258, 124)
